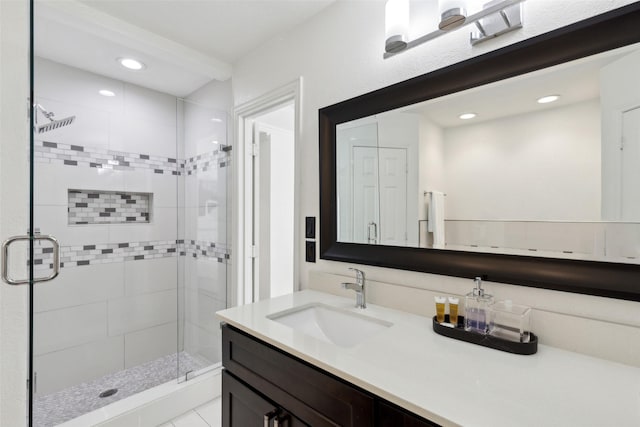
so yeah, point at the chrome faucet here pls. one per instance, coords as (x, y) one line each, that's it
(361, 301)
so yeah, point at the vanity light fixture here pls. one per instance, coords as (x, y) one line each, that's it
(497, 17)
(453, 14)
(396, 25)
(547, 99)
(467, 116)
(131, 64)
(106, 92)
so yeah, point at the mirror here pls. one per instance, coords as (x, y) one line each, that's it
(537, 165)
(406, 183)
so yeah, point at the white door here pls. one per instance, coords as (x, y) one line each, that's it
(261, 213)
(273, 215)
(393, 196)
(365, 200)
(379, 195)
(630, 201)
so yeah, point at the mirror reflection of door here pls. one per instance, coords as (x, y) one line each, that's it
(379, 202)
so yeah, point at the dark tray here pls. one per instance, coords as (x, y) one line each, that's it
(459, 333)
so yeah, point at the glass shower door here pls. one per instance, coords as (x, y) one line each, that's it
(203, 230)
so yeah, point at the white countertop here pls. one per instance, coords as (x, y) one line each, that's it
(453, 382)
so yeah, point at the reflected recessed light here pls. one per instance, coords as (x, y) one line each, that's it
(548, 99)
(131, 64)
(216, 120)
(105, 92)
(215, 142)
(467, 116)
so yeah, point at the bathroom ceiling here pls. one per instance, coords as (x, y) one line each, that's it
(183, 43)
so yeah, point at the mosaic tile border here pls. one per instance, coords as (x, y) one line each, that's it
(207, 161)
(106, 253)
(78, 155)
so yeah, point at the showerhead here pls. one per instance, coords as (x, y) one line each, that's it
(53, 124)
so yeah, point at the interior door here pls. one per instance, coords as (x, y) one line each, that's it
(393, 196)
(262, 212)
(366, 195)
(273, 215)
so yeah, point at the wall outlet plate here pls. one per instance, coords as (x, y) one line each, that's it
(310, 227)
(310, 252)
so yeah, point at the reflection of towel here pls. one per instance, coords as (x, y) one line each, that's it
(436, 218)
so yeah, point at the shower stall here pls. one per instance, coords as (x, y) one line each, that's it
(133, 186)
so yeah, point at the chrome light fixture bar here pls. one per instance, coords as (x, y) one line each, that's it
(496, 18)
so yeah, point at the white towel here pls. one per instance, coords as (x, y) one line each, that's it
(436, 218)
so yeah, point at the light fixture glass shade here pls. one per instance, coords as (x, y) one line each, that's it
(396, 25)
(453, 14)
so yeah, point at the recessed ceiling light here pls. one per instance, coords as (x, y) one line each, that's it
(131, 64)
(215, 142)
(467, 116)
(547, 99)
(216, 120)
(105, 92)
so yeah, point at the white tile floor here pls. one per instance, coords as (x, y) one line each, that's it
(207, 415)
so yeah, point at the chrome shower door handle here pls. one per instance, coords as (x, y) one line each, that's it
(5, 259)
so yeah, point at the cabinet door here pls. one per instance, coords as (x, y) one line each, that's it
(243, 407)
(314, 396)
(391, 416)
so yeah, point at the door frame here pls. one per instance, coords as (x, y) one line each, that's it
(241, 272)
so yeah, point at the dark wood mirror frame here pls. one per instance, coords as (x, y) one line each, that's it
(617, 28)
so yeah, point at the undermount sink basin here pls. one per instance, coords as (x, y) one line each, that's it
(330, 324)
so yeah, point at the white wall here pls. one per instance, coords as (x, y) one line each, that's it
(339, 55)
(620, 92)
(14, 190)
(431, 174)
(552, 159)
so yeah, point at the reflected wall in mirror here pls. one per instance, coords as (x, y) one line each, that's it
(541, 195)
(526, 173)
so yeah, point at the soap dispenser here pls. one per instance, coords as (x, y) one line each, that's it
(476, 309)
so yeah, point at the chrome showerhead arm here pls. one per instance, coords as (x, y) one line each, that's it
(47, 114)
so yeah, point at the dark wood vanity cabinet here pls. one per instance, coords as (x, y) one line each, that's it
(265, 387)
(246, 407)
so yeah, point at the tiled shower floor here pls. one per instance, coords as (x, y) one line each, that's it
(64, 405)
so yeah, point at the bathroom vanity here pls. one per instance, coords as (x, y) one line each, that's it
(263, 385)
(280, 371)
